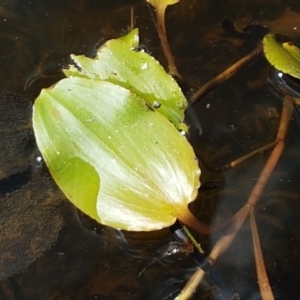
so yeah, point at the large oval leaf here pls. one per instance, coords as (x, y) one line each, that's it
(119, 62)
(116, 158)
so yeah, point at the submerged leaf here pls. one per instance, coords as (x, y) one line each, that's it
(119, 62)
(284, 57)
(116, 158)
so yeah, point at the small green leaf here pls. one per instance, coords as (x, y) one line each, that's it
(115, 158)
(284, 57)
(118, 62)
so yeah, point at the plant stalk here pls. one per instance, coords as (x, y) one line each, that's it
(263, 280)
(186, 217)
(239, 218)
(233, 69)
(161, 28)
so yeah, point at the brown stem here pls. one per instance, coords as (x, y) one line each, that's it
(263, 280)
(225, 75)
(239, 218)
(190, 287)
(284, 120)
(265, 174)
(161, 28)
(132, 19)
(219, 248)
(245, 157)
(286, 113)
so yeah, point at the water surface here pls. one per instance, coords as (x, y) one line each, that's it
(52, 251)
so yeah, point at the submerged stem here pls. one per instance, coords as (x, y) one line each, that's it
(161, 28)
(263, 280)
(240, 217)
(225, 75)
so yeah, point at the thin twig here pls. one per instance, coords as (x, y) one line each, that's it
(224, 75)
(245, 157)
(280, 136)
(191, 286)
(161, 7)
(161, 28)
(263, 280)
(132, 19)
(193, 240)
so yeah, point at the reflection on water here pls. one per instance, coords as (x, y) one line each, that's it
(90, 261)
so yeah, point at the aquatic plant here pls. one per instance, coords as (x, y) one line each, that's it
(110, 135)
(109, 138)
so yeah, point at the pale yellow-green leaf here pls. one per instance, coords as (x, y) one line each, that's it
(115, 158)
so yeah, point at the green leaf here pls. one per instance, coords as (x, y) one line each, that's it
(284, 57)
(114, 157)
(118, 62)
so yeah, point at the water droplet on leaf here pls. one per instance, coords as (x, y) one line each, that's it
(156, 104)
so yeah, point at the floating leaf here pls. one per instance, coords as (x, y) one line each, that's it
(284, 57)
(119, 62)
(114, 157)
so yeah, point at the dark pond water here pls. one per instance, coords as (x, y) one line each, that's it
(49, 250)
